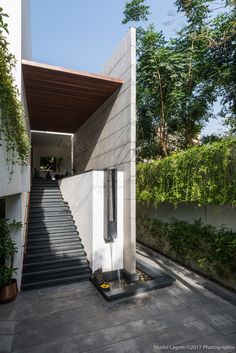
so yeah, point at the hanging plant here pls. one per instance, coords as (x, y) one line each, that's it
(12, 121)
(205, 174)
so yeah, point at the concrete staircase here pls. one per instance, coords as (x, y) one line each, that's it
(55, 254)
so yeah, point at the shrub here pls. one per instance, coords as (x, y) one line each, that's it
(201, 247)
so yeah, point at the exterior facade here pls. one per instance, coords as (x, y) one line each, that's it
(87, 122)
(16, 191)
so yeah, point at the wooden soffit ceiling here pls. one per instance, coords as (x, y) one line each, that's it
(62, 100)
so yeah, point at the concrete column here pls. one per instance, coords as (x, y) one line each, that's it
(107, 139)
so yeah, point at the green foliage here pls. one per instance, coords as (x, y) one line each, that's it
(6, 274)
(7, 250)
(206, 175)
(179, 80)
(12, 125)
(136, 11)
(206, 139)
(231, 123)
(202, 247)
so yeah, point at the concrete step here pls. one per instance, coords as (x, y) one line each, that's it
(51, 231)
(50, 225)
(54, 255)
(55, 282)
(37, 211)
(45, 198)
(53, 239)
(53, 188)
(52, 218)
(49, 214)
(49, 189)
(28, 266)
(48, 203)
(54, 247)
(84, 268)
(45, 186)
(45, 193)
(43, 181)
(55, 192)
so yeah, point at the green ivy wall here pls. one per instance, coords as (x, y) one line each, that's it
(205, 175)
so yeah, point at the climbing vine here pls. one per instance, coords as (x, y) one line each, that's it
(203, 174)
(12, 123)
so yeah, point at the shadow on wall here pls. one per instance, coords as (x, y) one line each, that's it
(84, 142)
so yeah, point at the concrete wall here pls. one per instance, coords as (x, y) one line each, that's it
(107, 139)
(218, 216)
(26, 42)
(85, 195)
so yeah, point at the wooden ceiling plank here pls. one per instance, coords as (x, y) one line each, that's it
(65, 72)
(61, 99)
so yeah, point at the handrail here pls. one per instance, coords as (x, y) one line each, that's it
(26, 223)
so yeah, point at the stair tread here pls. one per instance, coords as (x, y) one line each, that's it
(52, 247)
(58, 253)
(50, 219)
(47, 240)
(49, 210)
(61, 281)
(49, 262)
(52, 190)
(51, 225)
(50, 215)
(37, 211)
(36, 233)
(83, 267)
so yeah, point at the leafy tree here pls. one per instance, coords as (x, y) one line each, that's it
(218, 63)
(179, 80)
(199, 88)
(161, 74)
(136, 11)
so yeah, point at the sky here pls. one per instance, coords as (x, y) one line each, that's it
(82, 34)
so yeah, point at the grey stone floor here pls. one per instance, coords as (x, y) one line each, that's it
(76, 318)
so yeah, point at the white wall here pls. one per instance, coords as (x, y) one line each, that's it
(85, 195)
(13, 10)
(16, 210)
(15, 188)
(107, 138)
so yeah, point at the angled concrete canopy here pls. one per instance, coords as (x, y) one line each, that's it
(62, 100)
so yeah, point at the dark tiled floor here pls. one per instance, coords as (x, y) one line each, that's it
(76, 318)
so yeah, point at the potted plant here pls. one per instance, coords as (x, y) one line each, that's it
(8, 285)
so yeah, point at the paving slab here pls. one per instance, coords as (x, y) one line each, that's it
(7, 327)
(6, 343)
(178, 335)
(75, 318)
(133, 345)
